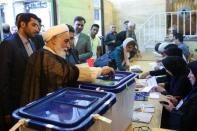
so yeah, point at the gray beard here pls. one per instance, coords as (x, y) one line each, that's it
(61, 52)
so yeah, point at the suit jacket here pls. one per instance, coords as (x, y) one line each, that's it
(83, 47)
(38, 41)
(13, 58)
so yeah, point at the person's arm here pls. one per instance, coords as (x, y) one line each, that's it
(158, 72)
(119, 60)
(89, 74)
(153, 73)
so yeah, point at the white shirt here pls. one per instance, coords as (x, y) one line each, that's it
(76, 39)
(27, 45)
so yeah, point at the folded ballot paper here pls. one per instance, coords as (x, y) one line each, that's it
(135, 69)
(146, 108)
(142, 117)
(151, 82)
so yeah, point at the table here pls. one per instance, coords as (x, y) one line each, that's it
(156, 119)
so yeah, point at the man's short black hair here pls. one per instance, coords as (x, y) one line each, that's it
(95, 25)
(179, 36)
(79, 18)
(26, 17)
(171, 46)
(71, 29)
(126, 22)
(6, 28)
(39, 20)
(17, 18)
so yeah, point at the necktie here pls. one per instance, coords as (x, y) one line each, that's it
(28, 48)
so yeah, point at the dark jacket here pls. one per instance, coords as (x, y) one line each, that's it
(13, 58)
(120, 37)
(184, 119)
(179, 83)
(38, 41)
(108, 41)
(118, 56)
(73, 57)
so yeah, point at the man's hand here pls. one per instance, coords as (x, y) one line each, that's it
(106, 70)
(169, 106)
(172, 99)
(145, 75)
(159, 89)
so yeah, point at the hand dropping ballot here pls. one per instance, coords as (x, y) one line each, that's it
(151, 82)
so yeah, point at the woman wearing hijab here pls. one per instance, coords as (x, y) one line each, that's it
(169, 51)
(180, 85)
(183, 115)
(120, 54)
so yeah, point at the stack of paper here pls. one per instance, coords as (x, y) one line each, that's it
(141, 83)
(148, 108)
(135, 68)
(151, 82)
(154, 95)
(142, 117)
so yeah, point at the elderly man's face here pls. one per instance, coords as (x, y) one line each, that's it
(62, 44)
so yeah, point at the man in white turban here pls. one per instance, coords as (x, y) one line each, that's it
(47, 69)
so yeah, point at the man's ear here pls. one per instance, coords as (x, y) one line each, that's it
(23, 24)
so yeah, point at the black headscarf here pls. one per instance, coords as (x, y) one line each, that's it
(176, 65)
(171, 46)
(173, 51)
(193, 67)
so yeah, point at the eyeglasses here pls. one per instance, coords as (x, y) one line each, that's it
(142, 128)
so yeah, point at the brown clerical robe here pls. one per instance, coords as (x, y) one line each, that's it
(45, 73)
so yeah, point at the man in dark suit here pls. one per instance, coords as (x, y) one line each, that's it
(14, 53)
(110, 38)
(82, 41)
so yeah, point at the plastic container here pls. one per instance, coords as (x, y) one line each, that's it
(68, 109)
(122, 85)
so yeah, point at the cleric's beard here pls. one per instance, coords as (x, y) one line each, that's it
(60, 52)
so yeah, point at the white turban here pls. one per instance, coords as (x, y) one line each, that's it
(53, 31)
(126, 41)
(162, 46)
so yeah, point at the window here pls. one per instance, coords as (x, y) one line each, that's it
(96, 14)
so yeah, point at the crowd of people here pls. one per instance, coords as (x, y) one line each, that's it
(33, 65)
(176, 78)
